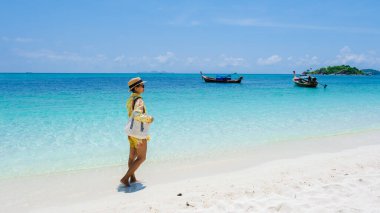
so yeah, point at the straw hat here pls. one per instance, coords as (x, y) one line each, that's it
(134, 82)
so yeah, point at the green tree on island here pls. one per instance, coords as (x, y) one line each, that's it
(337, 70)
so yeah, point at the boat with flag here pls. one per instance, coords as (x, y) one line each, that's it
(221, 79)
(304, 80)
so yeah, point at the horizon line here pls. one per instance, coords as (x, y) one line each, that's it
(245, 73)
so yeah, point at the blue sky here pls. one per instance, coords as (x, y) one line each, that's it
(187, 36)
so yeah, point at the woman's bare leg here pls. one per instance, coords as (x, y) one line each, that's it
(132, 157)
(141, 156)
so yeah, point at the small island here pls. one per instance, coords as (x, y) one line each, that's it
(371, 72)
(343, 70)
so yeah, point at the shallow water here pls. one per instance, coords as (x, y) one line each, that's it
(60, 122)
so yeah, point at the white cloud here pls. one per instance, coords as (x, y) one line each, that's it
(250, 22)
(274, 59)
(200, 62)
(23, 40)
(165, 58)
(184, 20)
(50, 55)
(232, 62)
(119, 58)
(190, 60)
(17, 39)
(347, 56)
(99, 57)
(306, 60)
(142, 60)
(245, 22)
(195, 23)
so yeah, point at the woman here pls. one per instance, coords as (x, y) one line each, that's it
(138, 116)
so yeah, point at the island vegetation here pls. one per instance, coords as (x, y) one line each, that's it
(342, 70)
(337, 70)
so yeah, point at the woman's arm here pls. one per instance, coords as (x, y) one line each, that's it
(138, 112)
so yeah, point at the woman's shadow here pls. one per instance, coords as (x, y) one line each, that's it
(134, 187)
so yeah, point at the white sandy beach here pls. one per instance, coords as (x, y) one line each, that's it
(330, 174)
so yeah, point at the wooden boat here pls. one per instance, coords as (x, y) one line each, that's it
(221, 79)
(306, 81)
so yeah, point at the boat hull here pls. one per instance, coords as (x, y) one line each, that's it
(305, 84)
(214, 80)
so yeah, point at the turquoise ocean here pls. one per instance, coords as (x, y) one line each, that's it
(62, 122)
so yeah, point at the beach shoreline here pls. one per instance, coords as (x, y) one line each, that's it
(86, 190)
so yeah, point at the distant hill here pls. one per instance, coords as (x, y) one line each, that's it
(337, 70)
(371, 71)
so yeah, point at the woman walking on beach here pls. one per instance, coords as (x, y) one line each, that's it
(136, 129)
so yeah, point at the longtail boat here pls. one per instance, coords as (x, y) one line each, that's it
(221, 79)
(305, 80)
